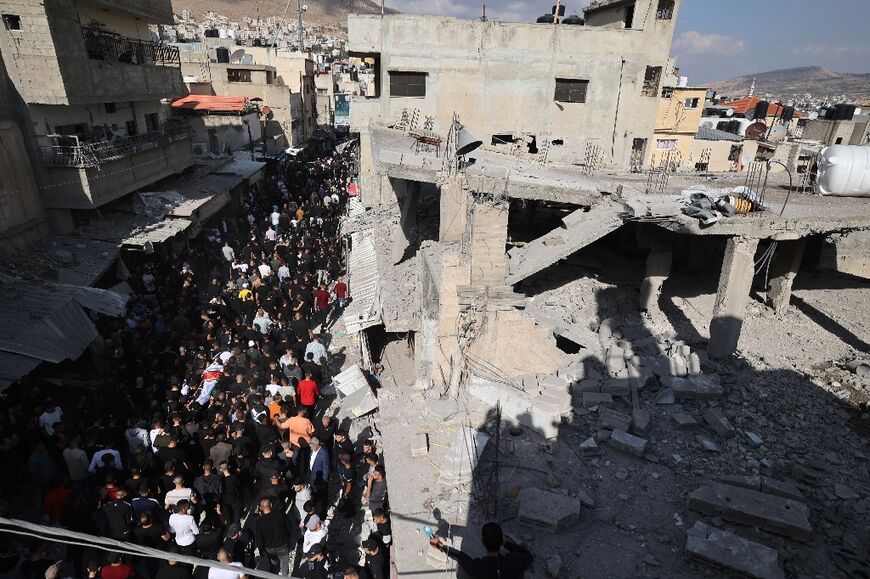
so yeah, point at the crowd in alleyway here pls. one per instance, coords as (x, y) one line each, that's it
(210, 436)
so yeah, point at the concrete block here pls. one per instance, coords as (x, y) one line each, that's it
(697, 387)
(589, 446)
(640, 421)
(591, 399)
(748, 482)
(749, 507)
(684, 420)
(733, 552)
(665, 396)
(754, 439)
(780, 488)
(613, 419)
(707, 444)
(459, 464)
(586, 385)
(720, 424)
(585, 499)
(547, 509)
(616, 387)
(628, 443)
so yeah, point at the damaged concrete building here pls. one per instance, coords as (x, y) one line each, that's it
(564, 349)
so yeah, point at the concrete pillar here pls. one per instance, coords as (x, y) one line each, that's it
(783, 269)
(658, 269)
(488, 240)
(454, 211)
(735, 281)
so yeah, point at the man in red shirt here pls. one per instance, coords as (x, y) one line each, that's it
(307, 393)
(117, 569)
(340, 290)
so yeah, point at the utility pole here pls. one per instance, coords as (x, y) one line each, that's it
(382, 7)
(299, 25)
(556, 12)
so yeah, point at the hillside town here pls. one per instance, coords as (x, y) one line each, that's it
(405, 295)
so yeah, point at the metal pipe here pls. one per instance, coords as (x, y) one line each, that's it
(790, 184)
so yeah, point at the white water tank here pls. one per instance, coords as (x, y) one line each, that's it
(844, 171)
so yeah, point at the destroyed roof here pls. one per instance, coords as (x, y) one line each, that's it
(74, 259)
(157, 232)
(745, 104)
(244, 168)
(13, 367)
(212, 104)
(708, 134)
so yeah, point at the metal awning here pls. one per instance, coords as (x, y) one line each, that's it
(244, 168)
(159, 232)
(13, 367)
(364, 310)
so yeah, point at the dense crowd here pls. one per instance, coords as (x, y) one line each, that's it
(209, 436)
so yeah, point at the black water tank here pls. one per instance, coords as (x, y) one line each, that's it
(849, 112)
(787, 114)
(561, 10)
(212, 33)
(574, 20)
(761, 110)
(223, 54)
(545, 19)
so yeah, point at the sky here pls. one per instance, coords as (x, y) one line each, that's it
(722, 40)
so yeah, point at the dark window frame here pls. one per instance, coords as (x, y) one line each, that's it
(665, 10)
(152, 122)
(238, 75)
(405, 84)
(652, 78)
(571, 90)
(11, 21)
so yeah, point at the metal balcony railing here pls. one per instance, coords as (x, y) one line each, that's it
(111, 47)
(76, 151)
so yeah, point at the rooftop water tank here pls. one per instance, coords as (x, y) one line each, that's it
(573, 20)
(844, 171)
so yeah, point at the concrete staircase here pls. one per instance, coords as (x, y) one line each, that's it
(581, 228)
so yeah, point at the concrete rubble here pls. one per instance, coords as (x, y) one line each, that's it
(547, 509)
(732, 552)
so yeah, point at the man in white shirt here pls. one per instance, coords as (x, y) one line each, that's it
(184, 528)
(315, 534)
(265, 270)
(97, 459)
(179, 494)
(275, 217)
(283, 273)
(229, 253)
(271, 235)
(137, 437)
(50, 416)
(224, 557)
(316, 348)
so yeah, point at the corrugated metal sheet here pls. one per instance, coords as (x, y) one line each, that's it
(156, 232)
(364, 310)
(708, 134)
(245, 168)
(210, 103)
(13, 367)
(106, 302)
(43, 323)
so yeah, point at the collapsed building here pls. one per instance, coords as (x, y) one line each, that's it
(511, 268)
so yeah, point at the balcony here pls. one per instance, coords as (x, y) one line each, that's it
(79, 151)
(111, 47)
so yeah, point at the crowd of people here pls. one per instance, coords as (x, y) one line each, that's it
(210, 435)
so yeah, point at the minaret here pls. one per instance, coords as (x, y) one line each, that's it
(752, 88)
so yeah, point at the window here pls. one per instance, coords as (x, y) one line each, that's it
(12, 21)
(270, 77)
(238, 75)
(839, 141)
(570, 90)
(132, 129)
(151, 122)
(667, 92)
(628, 19)
(665, 10)
(691, 103)
(651, 81)
(736, 151)
(666, 144)
(111, 108)
(407, 84)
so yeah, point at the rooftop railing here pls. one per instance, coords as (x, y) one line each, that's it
(78, 151)
(111, 47)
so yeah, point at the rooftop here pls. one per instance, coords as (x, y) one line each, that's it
(213, 104)
(741, 106)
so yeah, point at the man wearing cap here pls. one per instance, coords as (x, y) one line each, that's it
(315, 533)
(314, 566)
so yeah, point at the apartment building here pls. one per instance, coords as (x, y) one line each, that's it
(568, 85)
(95, 87)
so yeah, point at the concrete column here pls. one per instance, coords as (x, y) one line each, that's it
(658, 269)
(488, 240)
(783, 269)
(735, 281)
(454, 211)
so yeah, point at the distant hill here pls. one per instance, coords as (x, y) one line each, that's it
(793, 84)
(321, 12)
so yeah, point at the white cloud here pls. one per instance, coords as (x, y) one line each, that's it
(691, 43)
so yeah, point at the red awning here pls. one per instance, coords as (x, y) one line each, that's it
(215, 104)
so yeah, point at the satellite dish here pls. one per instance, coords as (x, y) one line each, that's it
(729, 112)
(237, 55)
(778, 133)
(756, 131)
(813, 115)
(465, 141)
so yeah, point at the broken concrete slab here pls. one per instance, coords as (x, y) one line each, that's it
(684, 420)
(733, 552)
(589, 446)
(540, 407)
(707, 444)
(720, 424)
(845, 493)
(665, 396)
(420, 445)
(591, 399)
(612, 419)
(584, 498)
(616, 387)
(349, 381)
(640, 421)
(359, 403)
(445, 410)
(459, 464)
(628, 443)
(547, 509)
(696, 387)
(754, 440)
(764, 484)
(749, 507)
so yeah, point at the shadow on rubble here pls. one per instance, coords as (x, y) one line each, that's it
(645, 431)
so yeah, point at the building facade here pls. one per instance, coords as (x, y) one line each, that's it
(94, 86)
(568, 85)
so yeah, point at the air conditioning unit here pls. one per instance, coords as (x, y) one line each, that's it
(200, 149)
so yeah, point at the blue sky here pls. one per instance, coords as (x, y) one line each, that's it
(719, 40)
